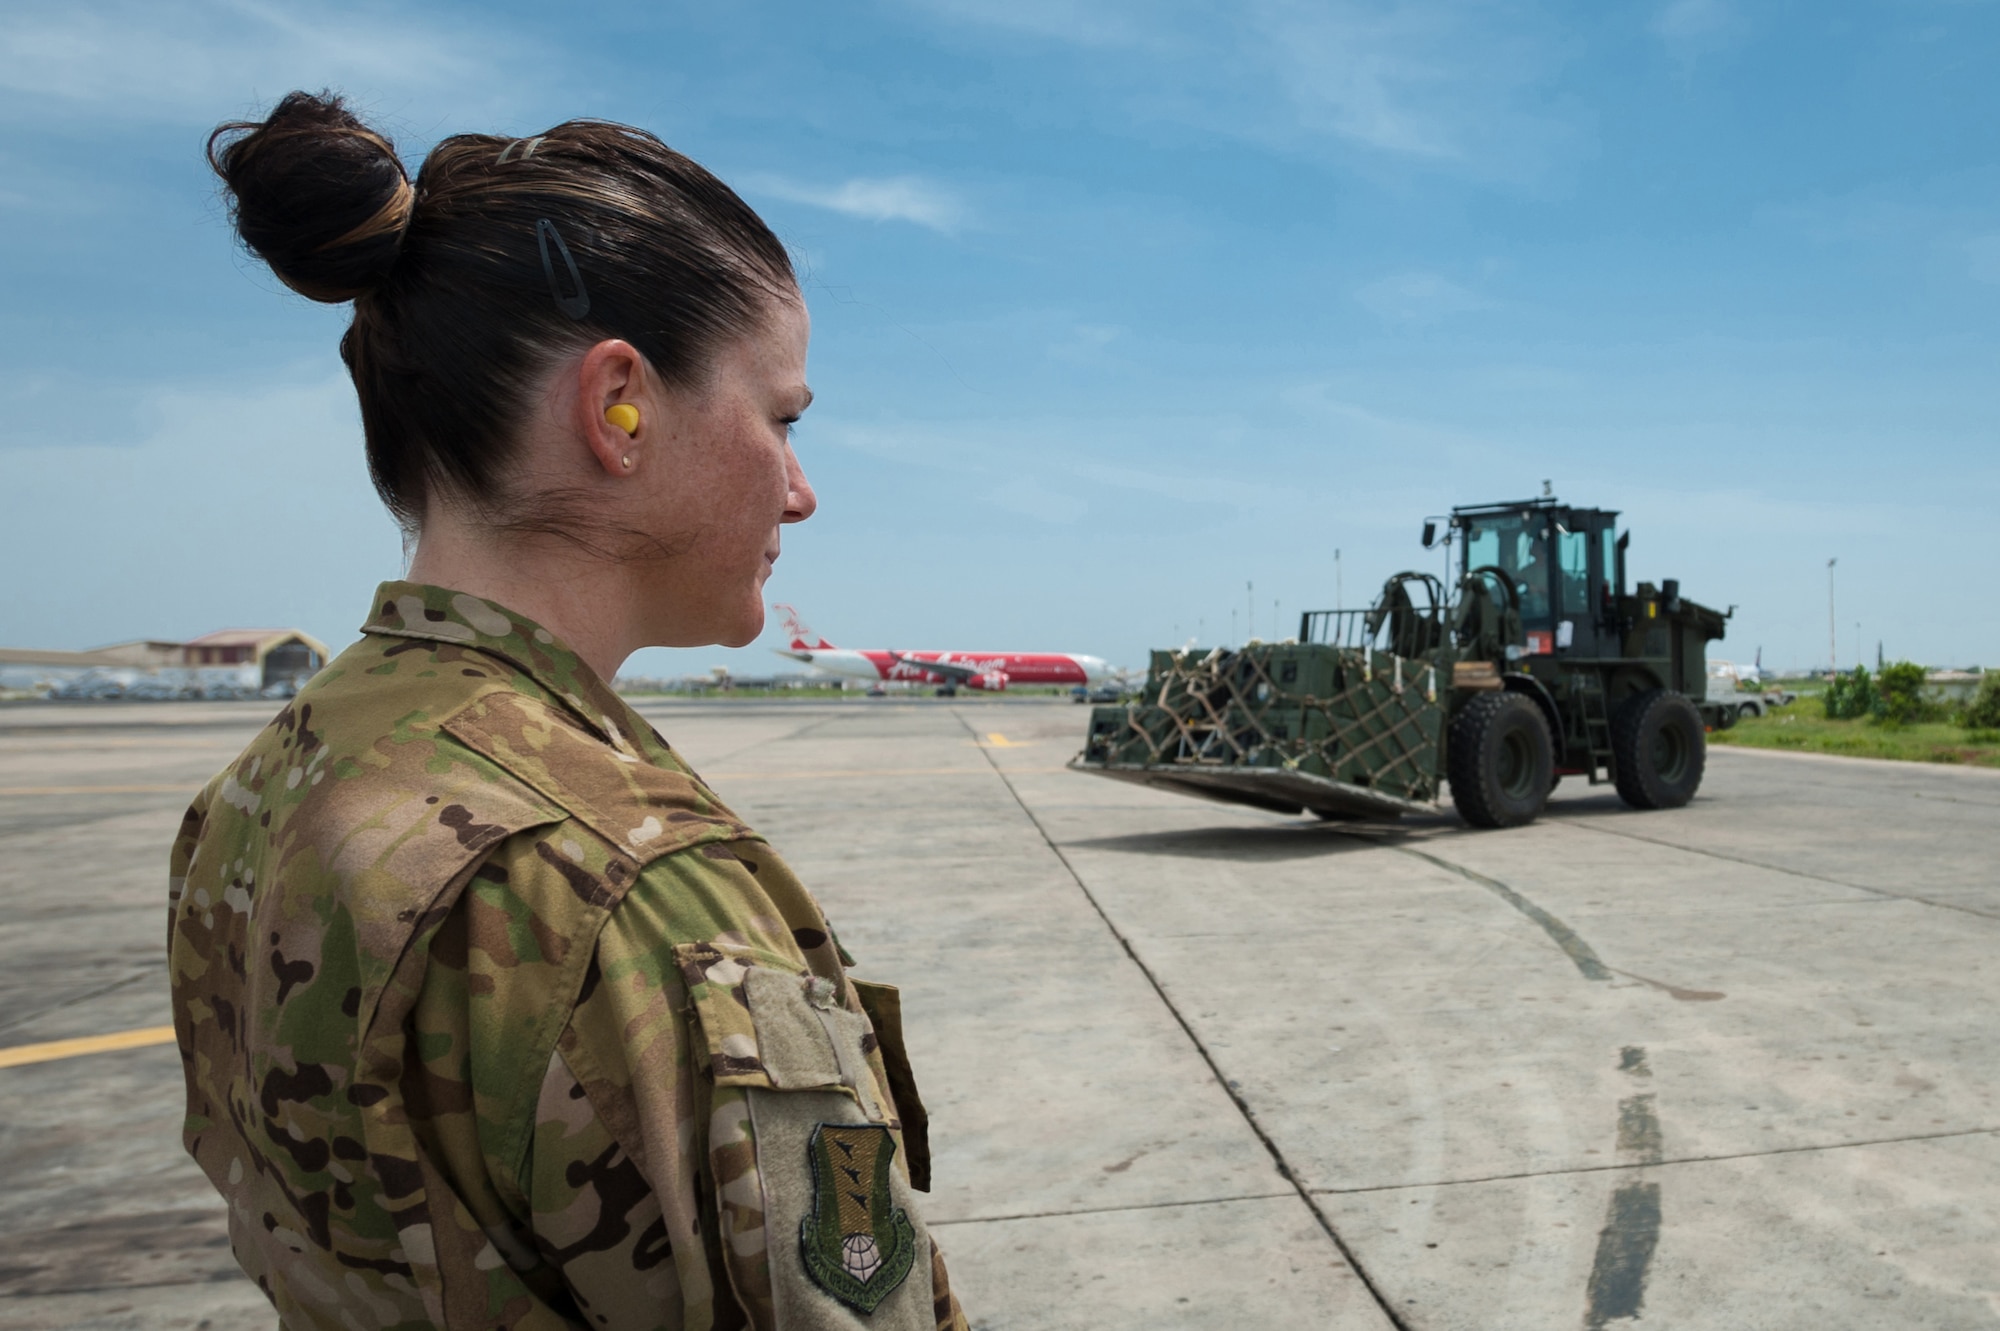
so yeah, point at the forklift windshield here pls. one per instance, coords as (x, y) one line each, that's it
(1518, 543)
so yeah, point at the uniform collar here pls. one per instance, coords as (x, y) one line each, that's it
(438, 614)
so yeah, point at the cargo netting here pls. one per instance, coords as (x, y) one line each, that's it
(1355, 715)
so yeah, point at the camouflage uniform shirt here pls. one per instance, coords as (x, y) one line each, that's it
(494, 1016)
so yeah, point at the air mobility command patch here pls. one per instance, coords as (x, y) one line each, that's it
(857, 1244)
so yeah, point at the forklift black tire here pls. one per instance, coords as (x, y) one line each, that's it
(1658, 748)
(1500, 760)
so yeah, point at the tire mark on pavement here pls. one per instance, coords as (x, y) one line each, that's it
(1561, 934)
(1616, 1290)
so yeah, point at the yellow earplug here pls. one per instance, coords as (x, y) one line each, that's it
(625, 416)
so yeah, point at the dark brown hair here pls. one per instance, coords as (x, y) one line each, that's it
(461, 301)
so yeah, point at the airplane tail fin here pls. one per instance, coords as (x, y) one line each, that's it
(802, 638)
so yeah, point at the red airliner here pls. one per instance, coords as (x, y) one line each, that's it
(972, 670)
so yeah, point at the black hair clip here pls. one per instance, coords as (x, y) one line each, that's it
(577, 304)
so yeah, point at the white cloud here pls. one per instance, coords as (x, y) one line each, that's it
(1417, 299)
(226, 503)
(1181, 487)
(1039, 446)
(875, 199)
(198, 60)
(1689, 27)
(1371, 74)
(1029, 497)
(1088, 24)
(1983, 257)
(935, 447)
(1448, 82)
(1085, 344)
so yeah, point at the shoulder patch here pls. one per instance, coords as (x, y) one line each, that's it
(644, 810)
(858, 1245)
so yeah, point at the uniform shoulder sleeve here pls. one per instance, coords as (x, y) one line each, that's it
(645, 810)
(621, 1180)
(710, 1059)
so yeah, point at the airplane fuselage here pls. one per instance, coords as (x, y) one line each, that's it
(972, 670)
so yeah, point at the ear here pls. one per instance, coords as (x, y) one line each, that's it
(608, 374)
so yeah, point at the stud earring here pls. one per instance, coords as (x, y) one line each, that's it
(624, 416)
(627, 461)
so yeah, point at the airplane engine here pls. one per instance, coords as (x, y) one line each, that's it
(994, 681)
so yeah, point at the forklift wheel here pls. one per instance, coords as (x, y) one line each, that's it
(1500, 760)
(1658, 750)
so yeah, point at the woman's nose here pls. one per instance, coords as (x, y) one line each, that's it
(800, 501)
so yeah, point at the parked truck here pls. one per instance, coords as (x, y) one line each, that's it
(1729, 702)
(1537, 664)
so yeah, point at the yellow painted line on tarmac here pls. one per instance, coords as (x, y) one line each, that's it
(22, 1054)
(188, 787)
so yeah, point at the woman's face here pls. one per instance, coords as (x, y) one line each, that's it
(721, 485)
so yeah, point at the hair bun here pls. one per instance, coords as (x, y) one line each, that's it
(317, 194)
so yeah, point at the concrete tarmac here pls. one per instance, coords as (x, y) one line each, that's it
(1193, 1066)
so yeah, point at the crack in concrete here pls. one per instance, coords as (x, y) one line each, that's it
(1665, 1162)
(1109, 1210)
(84, 997)
(751, 748)
(1284, 1166)
(1882, 892)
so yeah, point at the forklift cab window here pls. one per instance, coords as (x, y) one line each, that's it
(1573, 552)
(1518, 544)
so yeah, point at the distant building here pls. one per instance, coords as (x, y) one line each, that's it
(1952, 685)
(230, 663)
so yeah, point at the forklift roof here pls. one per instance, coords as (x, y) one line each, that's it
(1523, 505)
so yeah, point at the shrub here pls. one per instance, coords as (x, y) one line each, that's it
(1849, 697)
(1899, 695)
(1983, 713)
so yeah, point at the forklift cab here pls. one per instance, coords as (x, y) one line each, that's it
(1566, 565)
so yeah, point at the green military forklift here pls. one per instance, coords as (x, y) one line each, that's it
(1537, 664)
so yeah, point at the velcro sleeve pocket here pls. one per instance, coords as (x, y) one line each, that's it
(767, 1024)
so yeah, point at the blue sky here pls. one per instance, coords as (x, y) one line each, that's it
(1118, 306)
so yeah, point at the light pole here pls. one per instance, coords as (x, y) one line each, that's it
(1832, 638)
(1339, 597)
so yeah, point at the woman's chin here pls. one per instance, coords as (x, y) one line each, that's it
(747, 628)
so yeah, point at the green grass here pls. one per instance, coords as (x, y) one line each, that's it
(1803, 729)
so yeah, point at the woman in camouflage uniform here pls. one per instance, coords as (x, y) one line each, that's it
(492, 1013)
